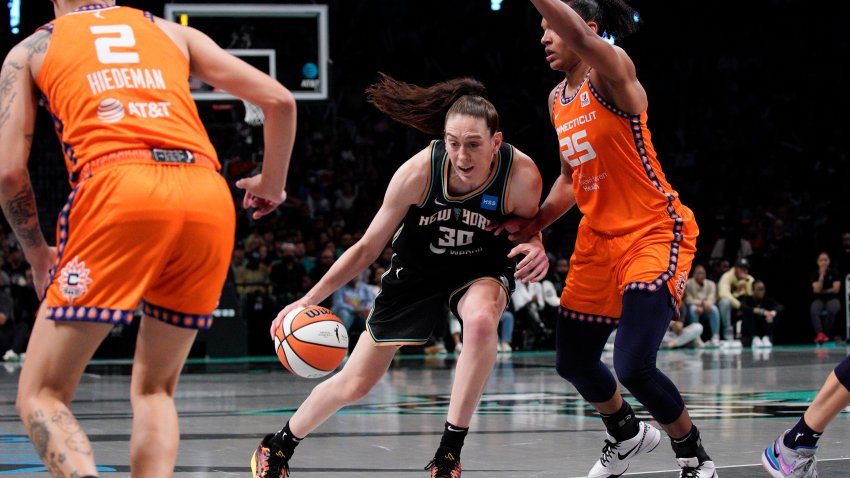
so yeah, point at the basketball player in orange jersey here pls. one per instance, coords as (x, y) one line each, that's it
(436, 211)
(635, 243)
(149, 217)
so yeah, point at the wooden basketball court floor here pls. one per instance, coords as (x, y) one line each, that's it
(531, 423)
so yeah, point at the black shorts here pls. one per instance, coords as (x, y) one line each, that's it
(412, 302)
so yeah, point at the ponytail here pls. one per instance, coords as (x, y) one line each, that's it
(426, 109)
(616, 19)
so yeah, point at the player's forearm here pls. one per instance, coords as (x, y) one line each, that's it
(279, 137)
(560, 199)
(18, 202)
(354, 261)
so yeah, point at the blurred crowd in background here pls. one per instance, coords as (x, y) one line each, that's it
(761, 162)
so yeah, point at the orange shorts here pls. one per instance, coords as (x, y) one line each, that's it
(603, 267)
(141, 230)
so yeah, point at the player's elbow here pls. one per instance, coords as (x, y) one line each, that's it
(12, 176)
(279, 99)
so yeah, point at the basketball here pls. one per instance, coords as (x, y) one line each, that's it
(311, 341)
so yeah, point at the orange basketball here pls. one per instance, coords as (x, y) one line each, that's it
(311, 341)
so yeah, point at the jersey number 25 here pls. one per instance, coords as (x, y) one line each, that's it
(572, 145)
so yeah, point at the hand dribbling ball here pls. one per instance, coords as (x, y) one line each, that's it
(311, 341)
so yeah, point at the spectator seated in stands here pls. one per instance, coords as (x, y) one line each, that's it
(529, 301)
(733, 285)
(826, 285)
(701, 300)
(758, 317)
(732, 246)
(286, 273)
(683, 335)
(352, 303)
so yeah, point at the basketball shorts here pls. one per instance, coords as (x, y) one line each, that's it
(603, 267)
(412, 302)
(159, 233)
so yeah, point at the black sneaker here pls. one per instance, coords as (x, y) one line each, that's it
(268, 461)
(444, 465)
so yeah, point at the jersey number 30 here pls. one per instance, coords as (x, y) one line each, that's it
(105, 45)
(573, 145)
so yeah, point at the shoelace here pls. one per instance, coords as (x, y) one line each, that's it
(276, 467)
(608, 451)
(444, 467)
(806, 465)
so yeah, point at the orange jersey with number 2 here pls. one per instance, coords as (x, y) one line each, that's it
(114, 81)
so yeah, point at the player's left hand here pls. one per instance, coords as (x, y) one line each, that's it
(534, 266)
(256, 197)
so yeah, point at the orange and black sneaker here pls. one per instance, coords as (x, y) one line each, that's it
(446, 464)
(268, 461)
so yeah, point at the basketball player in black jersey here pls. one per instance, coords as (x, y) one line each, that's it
(436, 209)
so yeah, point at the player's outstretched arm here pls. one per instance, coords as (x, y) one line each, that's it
(610, 62)
(405, 189)
(17, 121)
(214, 66)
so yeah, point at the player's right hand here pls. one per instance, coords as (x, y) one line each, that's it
(280, 315)
(257, 196)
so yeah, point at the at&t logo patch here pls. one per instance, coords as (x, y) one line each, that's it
(110, 111)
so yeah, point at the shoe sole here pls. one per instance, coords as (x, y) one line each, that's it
(769, 468)
(654, 446)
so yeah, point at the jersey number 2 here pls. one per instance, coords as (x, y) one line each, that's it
(575, 145)
(105, 44)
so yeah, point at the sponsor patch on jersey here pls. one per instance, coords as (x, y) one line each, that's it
(585, 99)
(74, 280)
(110, 111)
(489, 202)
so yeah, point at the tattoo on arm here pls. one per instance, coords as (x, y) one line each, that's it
(8, 77)
(23, 217)
(37, 43)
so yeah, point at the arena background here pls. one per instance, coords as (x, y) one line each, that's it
(747, 104)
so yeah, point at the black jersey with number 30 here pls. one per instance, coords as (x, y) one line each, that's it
(446, 232)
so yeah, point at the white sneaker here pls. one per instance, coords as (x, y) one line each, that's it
(692, 468)
(765, 342)
(757, 342)
(731, 344)
(715, 341)
(616, 455)
(11, 356)
(458, 348)
(505, 348)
